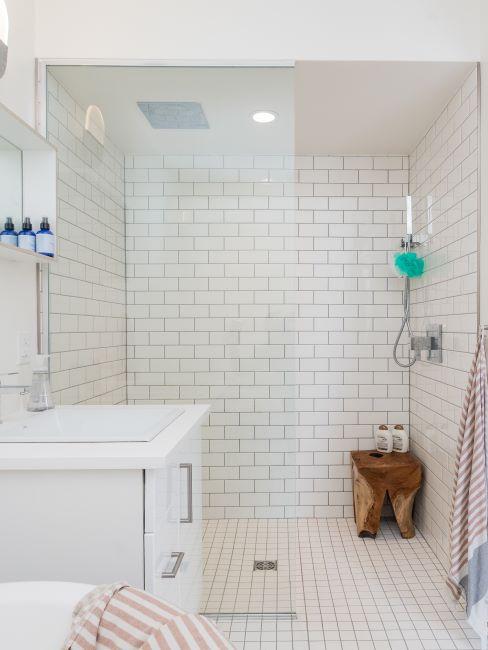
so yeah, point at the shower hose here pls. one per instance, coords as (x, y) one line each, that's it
(405, 323)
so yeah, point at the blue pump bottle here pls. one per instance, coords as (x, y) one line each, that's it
(9, 236)
(45, 243)
(27, 238)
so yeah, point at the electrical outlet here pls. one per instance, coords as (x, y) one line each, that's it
(24, 346)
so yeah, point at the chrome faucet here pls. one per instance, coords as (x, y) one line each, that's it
(12, 389)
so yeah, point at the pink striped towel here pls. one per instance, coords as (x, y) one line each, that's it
(469, 514)
(119, 617)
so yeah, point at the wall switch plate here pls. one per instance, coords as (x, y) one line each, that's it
(24, 345)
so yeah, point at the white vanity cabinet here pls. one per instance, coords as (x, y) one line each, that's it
(104, 512)
(173, 526)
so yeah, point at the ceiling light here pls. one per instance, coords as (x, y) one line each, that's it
(264, 117)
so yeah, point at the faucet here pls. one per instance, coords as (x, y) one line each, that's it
(11, 389)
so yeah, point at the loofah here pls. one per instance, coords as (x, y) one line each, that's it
(409, 264)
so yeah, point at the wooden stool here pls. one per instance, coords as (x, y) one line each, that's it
(375, 473)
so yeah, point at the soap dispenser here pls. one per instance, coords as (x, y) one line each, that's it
(41, 398)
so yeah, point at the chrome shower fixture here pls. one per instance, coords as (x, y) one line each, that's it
(405, 324)
(408, 243)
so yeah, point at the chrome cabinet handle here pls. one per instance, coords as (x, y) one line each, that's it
(189, 492)
(179, 559)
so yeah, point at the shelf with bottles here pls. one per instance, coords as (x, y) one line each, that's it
(41, 243)
(16, 254)
(27, 192)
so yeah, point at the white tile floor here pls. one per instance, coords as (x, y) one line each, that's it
(231, 586)
(349, 593)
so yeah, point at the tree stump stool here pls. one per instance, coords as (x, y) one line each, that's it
(374, 474)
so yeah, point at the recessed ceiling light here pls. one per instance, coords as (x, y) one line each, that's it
(264, 117)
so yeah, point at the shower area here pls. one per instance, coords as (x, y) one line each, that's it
(227, 235)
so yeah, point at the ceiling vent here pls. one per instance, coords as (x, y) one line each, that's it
(174, 115)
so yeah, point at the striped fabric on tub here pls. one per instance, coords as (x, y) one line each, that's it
(119, 617)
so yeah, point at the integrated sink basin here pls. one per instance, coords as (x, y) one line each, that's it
(90, 424)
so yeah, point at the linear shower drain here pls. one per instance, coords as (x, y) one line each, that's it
(265, 565)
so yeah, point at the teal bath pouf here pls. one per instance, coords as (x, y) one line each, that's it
(409, 264)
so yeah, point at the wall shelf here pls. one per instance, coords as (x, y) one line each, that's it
(14, 254)
(38, 181)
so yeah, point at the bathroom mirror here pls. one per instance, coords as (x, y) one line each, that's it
(10, 182)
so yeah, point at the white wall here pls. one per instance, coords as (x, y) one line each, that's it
(19, 292)
(253, 30)
(87, 315)
(262, 285)
(17, 87)
(443, 183)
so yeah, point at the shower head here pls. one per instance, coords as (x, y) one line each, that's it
(174, 115)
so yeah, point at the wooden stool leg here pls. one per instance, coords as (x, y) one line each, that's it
(368, 501)
(402, 502)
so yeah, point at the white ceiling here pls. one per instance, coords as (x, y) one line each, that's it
(370, 107)
(323, 107)
(228, 97)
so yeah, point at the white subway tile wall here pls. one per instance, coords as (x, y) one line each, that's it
(444, 182)
(87, 319)
(263, 285)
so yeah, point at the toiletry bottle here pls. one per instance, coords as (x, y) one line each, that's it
(384, 439)
(27, 238)
(400, 439)
(45, 239)
(9, 236)
(41, 398)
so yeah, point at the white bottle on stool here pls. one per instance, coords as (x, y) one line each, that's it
(384, 439)
(400, 439)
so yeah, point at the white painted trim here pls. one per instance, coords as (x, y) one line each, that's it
(175, 63)
(40, 98)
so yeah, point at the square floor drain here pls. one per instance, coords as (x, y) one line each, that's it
(265, 565)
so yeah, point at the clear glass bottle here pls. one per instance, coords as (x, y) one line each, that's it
(41, 398)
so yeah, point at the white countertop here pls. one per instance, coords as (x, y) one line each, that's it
(102, 455)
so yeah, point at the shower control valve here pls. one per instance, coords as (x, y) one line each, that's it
(431, 342)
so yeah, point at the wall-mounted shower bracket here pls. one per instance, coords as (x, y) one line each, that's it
(409, 243)
(431, 342)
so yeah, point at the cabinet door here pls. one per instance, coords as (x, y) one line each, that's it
(173, 525)
(191, 521)
(162, 494)
(162, 567)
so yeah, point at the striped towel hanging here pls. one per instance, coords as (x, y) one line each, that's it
(469, 514)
